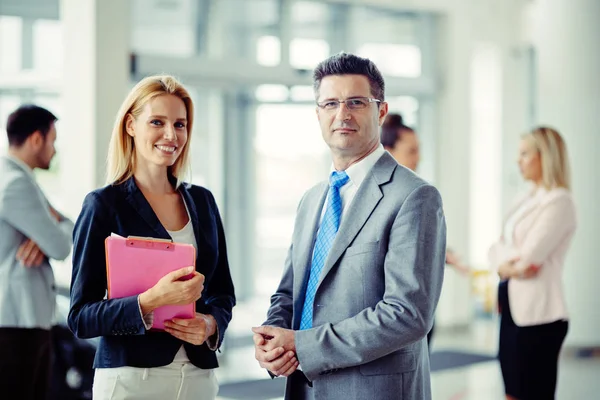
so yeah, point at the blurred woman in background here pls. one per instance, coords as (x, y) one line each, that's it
(402, 143)
(529, 258)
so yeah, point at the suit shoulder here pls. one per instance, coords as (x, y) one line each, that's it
(195, 189)
(106, 197)
(408, 182)
(317, 188)
(559, 195)
(198, 192)
(14, 178)
(315, 191)
(312, 194)
(107, 192)
(15, 184)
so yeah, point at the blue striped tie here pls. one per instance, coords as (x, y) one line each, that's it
(325, 236)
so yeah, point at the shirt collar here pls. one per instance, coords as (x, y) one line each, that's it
(357, 172)
(26, 168)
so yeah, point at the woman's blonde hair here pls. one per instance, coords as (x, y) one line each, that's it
(553, 157)
(121, 151)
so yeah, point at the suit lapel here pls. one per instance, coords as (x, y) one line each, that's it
(25, 170)
(305, 246)
(365, 201)
(191, 206)
(139, 203)
(529, 208)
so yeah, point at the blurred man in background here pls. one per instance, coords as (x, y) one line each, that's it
(31, 233)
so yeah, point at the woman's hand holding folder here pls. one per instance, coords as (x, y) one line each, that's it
(182, 286)
(195, 331)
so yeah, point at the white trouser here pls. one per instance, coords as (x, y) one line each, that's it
(176, 381)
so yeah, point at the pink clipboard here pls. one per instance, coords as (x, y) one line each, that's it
(134, 265)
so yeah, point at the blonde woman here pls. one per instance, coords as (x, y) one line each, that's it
(529, 258)
(148, 155)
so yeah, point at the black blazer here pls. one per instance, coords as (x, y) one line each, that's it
(124, 341)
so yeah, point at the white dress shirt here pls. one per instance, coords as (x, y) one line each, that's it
(357, 173)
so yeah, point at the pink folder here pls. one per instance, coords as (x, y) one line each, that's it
(134, 265)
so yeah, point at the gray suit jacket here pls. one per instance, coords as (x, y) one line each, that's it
(378, 291)
(27, 295)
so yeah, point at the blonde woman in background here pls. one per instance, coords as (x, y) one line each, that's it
(148, 155)
(529, 258)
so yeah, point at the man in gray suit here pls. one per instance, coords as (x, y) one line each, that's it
(364, 271)
(31, 232)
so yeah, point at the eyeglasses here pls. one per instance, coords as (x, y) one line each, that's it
(355, 103)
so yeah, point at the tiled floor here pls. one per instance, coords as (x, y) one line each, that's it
(579, 378)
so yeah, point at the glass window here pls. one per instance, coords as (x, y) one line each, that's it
(8, 104)
(268, 51)
(245, 24)
(390, 38)
(272, 93)
(486, 142)
(290, 158)
(307, 53)
(380, 25)
(310, 20)
(311, 25)
(47, 46)
(407, 106)
(198, 139)
(394, 59)
(164, 27)
(302, 93)
(10, 44)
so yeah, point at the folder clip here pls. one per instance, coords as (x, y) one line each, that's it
(149, 243)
